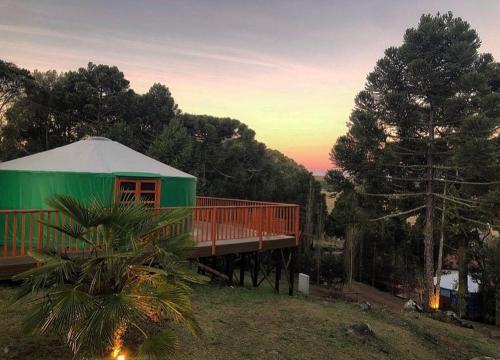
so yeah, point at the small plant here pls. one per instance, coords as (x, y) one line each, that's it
(127, 288)
(332, 268)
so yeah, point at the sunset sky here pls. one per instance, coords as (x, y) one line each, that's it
(289, 69)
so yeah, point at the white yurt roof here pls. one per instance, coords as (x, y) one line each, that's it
(93, 155)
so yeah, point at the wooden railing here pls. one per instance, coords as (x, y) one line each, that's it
(215, 201)
(212, 222)
(23, 230)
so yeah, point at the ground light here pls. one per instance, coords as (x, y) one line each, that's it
(117, 354)
(434, 302)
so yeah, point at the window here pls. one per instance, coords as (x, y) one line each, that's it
(147, 191)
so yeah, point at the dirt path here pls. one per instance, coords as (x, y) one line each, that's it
(362, 292)
(374, 296)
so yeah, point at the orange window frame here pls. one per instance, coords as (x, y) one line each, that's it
(137, 192)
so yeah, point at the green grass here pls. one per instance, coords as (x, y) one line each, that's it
(240, 323)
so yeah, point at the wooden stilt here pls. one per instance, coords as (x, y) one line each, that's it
(279, 265)
(229, 263)
(243, 261)
(293, 255)
(269, 257)
(256, 269)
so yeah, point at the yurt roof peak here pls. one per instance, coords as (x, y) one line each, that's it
(94, 155)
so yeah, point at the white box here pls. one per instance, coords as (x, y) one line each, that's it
(304, 284)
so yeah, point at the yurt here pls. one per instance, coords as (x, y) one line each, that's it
(97, 168)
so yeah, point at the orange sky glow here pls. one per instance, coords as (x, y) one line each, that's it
(287, 69)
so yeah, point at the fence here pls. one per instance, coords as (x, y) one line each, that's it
(211, 222)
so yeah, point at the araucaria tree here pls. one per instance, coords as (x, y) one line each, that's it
(427, 118)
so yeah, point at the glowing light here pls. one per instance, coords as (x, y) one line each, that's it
(434, 302)
(120, 357)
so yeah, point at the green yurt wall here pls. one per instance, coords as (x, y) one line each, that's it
(30, 189)
(85, 169)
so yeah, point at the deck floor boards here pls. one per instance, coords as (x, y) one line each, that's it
(12, 265)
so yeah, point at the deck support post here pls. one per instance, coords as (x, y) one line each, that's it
(256, 270)
(279, 265)
(269, 258)
(229, 262)
(243, 264)
(201, 270)
(293, 255)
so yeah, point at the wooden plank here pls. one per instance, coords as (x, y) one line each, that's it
(6, 235)
(23, 233)
(32, 226)
(14, 235)
(40, 230)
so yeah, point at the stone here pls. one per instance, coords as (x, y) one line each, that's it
(362, 330)
(452, 315)
(365, 305)
(411, 305)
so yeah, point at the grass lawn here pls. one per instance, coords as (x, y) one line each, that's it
(241, 323)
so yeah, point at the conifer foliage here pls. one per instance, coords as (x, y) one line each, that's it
(427, 118)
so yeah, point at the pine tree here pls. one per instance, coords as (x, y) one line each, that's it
(426, 103)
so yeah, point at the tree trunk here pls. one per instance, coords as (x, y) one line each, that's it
(497, 305)
(374, 262)
(440, 251)
(317, 250)
(350, 244)
(309, 224)
(463, 274)
(429, 221)
(360, 265)
(319, 243)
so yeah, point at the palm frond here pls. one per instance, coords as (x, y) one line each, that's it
(87, 216)
(57, 269)
(75, 231)
(160, 346)
(138, 279)
(63, 308)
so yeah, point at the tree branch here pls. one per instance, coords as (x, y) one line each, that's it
(399, 214)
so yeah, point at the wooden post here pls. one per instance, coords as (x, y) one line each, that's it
(297, 225)
(243, 261)
(6, 234)
(279, 265)
(40, 230)
(32, 221)
(293, 254)
(213, 228)
(23, 233)
(14, 235)
(261, 221)
(229, 267)
(256, 268)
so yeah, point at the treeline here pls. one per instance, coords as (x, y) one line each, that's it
(43, 110)
(421, 167)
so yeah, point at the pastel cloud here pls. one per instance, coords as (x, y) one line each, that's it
(289, 70)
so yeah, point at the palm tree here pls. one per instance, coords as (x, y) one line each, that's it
(132, 284)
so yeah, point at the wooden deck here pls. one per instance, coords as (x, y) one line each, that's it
(237, 246)
(217, 226)
(13, 265)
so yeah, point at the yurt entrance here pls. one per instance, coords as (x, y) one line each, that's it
(146, 191)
